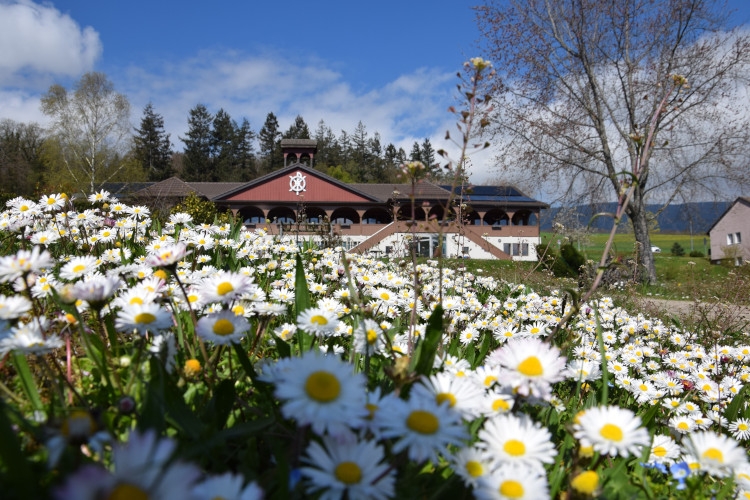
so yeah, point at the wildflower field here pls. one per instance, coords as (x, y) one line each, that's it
(174, 360)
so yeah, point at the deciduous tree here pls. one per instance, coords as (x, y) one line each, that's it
(91, 125)
(614, 94)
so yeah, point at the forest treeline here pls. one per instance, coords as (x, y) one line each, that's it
(91, 141)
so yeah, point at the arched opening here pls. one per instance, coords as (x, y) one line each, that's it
(472, 218)
(496, 217)
(314, 215)
(345, 215)
(252, 215)
(404, 213)
(376, 216)
(282, 215)
(521, 218)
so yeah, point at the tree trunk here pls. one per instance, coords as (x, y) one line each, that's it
(636, 211)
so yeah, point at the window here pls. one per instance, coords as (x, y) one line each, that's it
(525, 249)
(738, 237)
(506, 248)
(730, 239)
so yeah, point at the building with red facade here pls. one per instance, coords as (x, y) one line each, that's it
(483, 222)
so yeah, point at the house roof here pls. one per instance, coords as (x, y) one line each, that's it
(291, 168)
(745, 200)
(402, 192)
(496, 194)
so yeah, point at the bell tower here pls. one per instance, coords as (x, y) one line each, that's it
(297, 150)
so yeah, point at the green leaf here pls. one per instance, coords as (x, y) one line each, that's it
(220, 406)
(425, 355)
(19, 476)
(301, 292)
(27, 380)
(738, 402)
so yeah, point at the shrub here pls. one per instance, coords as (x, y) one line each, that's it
(203, 211)
(677, 250)
(696, 253)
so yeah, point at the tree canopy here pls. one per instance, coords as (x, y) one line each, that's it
(598, 96)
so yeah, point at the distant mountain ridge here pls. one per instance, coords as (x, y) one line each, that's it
(674, 218)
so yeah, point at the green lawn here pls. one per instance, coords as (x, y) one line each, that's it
(683, 278)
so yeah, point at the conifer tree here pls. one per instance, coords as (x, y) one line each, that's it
(153, 149)
(270, 144)
(197, 158)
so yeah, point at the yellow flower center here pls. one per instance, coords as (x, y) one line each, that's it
(474, 468)
(79, 268)
(683, 426)
(348, 473)
(660, 451)
(145, 318)
(371, 409)
(531, 367)
(514, 448)
(385, 296)
(489, 380)
(446, 396)
(423, 422)
(223, 327)
(586, 482)
(224, 288)
(511, 489)
(319, 320)
(611, 432)
(500, 404)
(713, 454)
(372, 336)
(136, 300)
(323, 387)
(127, 492)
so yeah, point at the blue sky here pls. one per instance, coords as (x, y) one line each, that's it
(390, 64)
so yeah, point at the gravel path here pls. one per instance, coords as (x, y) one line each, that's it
(722, 315)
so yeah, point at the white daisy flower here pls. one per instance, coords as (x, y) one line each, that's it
(223, 327)
(611, 430)
(422, 427)
(517, 440)
(462, 394)
(470, 464)
(317, 321)
(141, 468)
(227, 486)
(348, 468)
(664, 450)
(143, 318)
(323, 392)
(717, 454)
(529, 365)
(512, 482)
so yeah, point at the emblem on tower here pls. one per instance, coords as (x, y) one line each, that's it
(297, 183)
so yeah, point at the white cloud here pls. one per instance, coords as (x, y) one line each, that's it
(37, 41)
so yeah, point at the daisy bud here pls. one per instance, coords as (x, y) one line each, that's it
(192, 368)
(126, 405)
(586, 482)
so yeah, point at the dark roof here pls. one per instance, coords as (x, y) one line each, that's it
(495, 194)
(299, 143)
(213, 190)
(741, 199)
(172, 187)
(402, 192)
(120, 189)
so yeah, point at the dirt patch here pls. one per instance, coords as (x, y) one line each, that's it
(691, 314)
